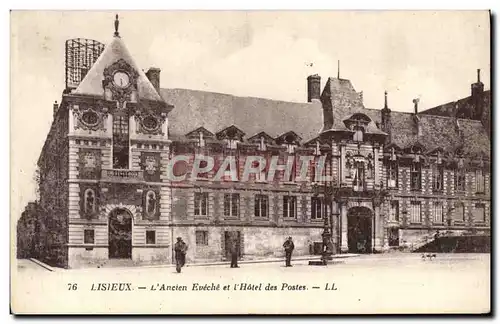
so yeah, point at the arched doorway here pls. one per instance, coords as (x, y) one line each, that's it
(359, 230)
(120, 234)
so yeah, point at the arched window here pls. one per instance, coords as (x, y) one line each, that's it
(150, 203)
(89, 206)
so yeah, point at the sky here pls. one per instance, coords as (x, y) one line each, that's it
(428, 55)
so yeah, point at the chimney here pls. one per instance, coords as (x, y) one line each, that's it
(386, 118)
(55, 108)
(313, 87)
(415, 105)
(153, 75)
(477, 90)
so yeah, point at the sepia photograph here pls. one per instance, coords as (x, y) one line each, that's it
(250, 162)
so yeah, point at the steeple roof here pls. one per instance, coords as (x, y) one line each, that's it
(116, 50)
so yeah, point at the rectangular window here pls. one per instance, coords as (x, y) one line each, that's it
(88, 236)
(460, 179)
(459, 213)
(437, 177)
(392, 174)
(231, 204)
(260, 176)
(394, 213)
(317, 208)
(261, 206)
(120, 141)
(415, 212)
(438, 213)
(359, 176)
(479, 181)
(201, 204)
(480, 213)
(289, 207)
(201, 237)
(415, 176)
(315, 168)
(393, 236)
(150, 237)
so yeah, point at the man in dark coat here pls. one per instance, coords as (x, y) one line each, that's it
(289, 246)
(180, 249)
(234, 249)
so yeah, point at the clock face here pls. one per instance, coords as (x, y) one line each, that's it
(121, 79)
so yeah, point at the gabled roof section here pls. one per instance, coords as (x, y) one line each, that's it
(215, 111)
(289, 137)
(195, 133)
(116, 50)
(231, 132)
(256, 138)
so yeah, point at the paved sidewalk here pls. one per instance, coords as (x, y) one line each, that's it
(200, 264)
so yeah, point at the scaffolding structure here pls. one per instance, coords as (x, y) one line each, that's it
(81, 54)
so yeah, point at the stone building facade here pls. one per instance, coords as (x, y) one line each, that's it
(107, 193)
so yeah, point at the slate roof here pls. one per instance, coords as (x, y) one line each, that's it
(462, 108)
(217, 111)
(437, 132)
(92, 83)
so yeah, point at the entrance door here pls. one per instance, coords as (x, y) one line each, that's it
(120, 234)
(231, 237)
(359, 231)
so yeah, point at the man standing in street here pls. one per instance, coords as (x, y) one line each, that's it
(180, 249)
(288, 245)
(234, 249)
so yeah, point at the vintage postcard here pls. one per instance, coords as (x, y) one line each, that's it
(250, 162)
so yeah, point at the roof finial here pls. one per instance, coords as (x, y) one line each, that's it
(478, 75)
(385, 99)
(338, 69)
(117, 23)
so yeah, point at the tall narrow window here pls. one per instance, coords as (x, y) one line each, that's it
(394, 212)
(289, 207)
(459, 214)
(460, 179)
(261, 206)
(437, 177)
(416, 176)
(150, 237)
(480, 213)
(120, 141)
(317, 208)
(231, 204)
(479, 181)
(201, 204)
(415, 212)
(392, 174)
(359, 176)
(438, 213)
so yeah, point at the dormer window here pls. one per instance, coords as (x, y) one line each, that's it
(289, 140)
(358, 134)
(262, 144)
(200, 135)
(232, 136)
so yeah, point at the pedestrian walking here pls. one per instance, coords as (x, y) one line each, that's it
(289, 246)
(234, 249)
(180, 249)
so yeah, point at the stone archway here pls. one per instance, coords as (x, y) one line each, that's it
(359, 230)
(120, 234)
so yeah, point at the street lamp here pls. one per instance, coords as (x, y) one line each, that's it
(327, 248)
